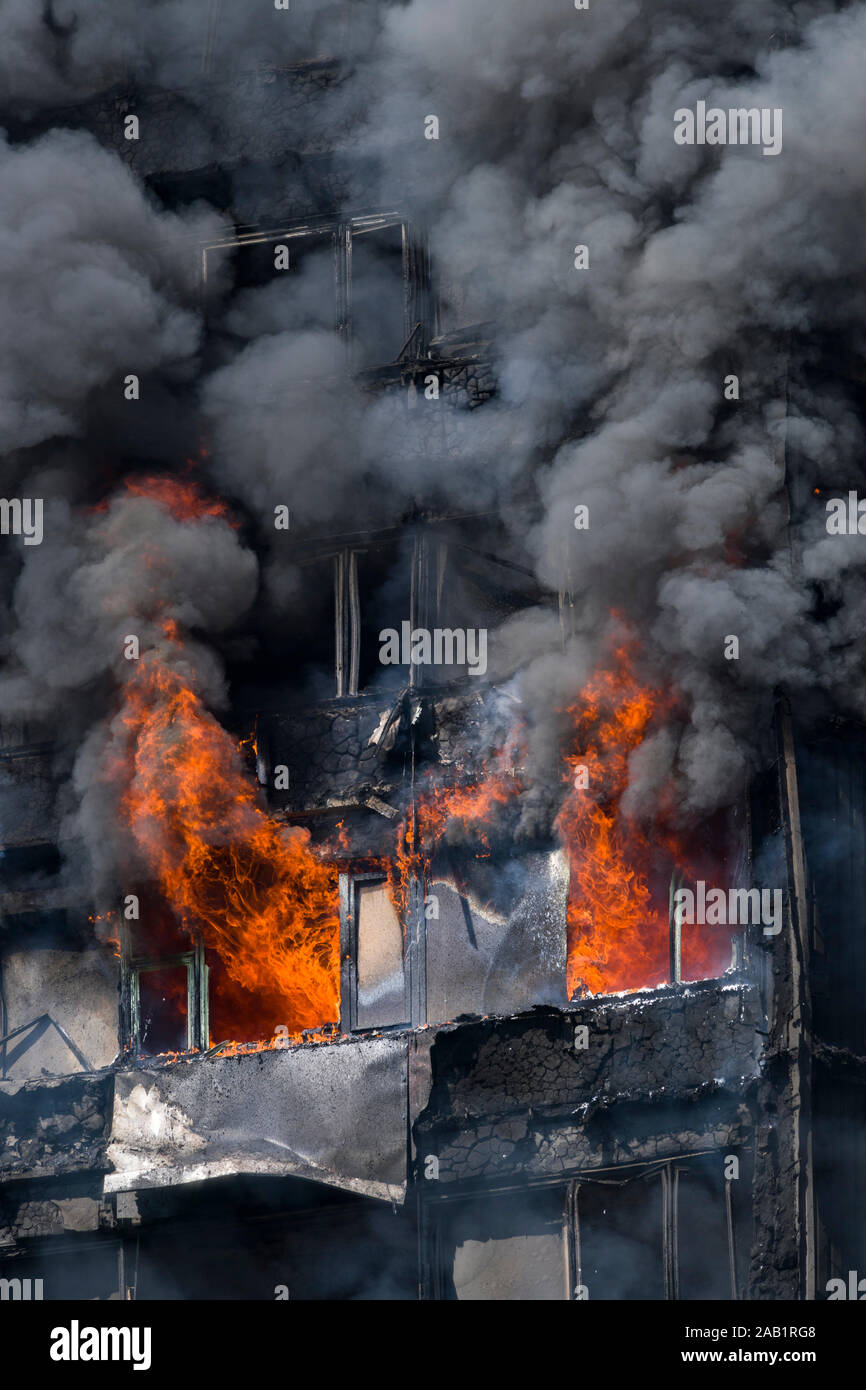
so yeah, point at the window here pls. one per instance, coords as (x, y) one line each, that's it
(513, 1250)
(504, 1248)
(357, 587)
(374, 983)
(165, 987)
(663, 1231)
(355, 592)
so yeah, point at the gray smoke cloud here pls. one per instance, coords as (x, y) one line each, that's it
(56, 51)
(556, 129)
(92, 277)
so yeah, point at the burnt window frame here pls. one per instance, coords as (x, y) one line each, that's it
(349, 607)
(431, 554)
(347, 616)
(198, 993)
(437, 1220)
(349, 902)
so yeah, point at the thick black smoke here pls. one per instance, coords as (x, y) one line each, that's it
(555, 130)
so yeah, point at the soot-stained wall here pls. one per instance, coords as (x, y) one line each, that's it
(659, 1073)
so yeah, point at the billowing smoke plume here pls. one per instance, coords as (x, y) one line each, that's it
(556, 130)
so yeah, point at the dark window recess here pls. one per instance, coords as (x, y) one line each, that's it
(324, 1247)
(704, 1254)
(295, 296)
(85, 1272)
(459, 587)
(163, 1009)
(474, 590)
(20, 864)
(54, 930)
(384, 602)
(621, 1235)
(833, 797)
(157, 931)
(165, 983)
(312, 625)
(655, 1233)
(350, 596)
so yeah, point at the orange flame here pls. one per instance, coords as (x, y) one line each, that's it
(180, 497)
(618, 913)
(261, 899)
(256, 893)
(474, 805)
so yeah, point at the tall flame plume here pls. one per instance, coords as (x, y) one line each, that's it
(255, 892)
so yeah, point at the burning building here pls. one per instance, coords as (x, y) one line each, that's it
(432, 768)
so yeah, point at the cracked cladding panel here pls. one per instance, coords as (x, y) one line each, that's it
(665, 1042)
(515, 1095)
(335, 1113)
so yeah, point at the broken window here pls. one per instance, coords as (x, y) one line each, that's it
(620, 1237)
(506, 1248)
(377, 307)
(374, 991)
(664, 1231)
(659, 1233)
(497, 942)
(160, 1007)
(425, 582)
(355, 592)
(459, 586)
(707, 1254)
(165, 986)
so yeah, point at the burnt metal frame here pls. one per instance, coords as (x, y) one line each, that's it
(432, 1206)
(418, 312)
(347, 616)
(349, 958)
(197, 985)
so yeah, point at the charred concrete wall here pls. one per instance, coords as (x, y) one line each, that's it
(50, 1209)
(659, 1075)
(328, 752)
(346, 750)
(78, 989)
(54, 1127)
